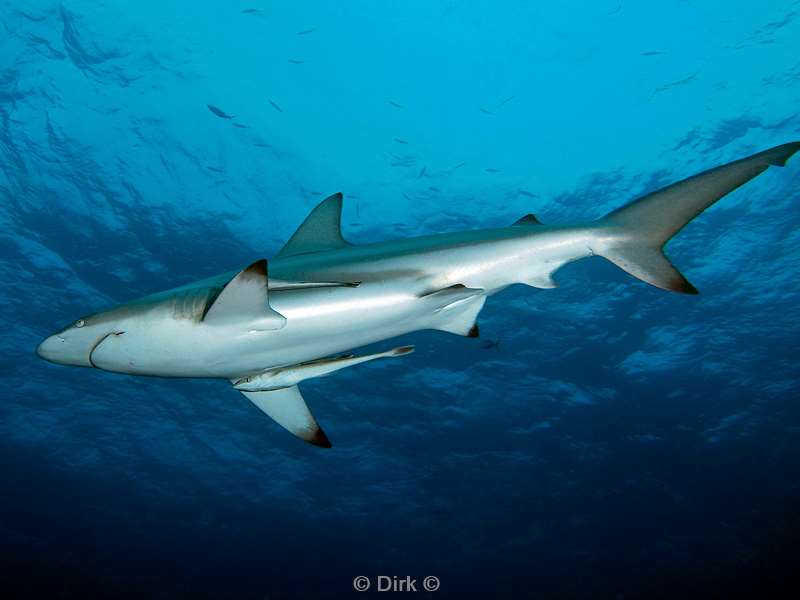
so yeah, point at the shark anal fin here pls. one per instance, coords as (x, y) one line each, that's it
(288, 409)
(245, 299)
(322, 230)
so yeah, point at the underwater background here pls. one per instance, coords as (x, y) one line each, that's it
(603, 439)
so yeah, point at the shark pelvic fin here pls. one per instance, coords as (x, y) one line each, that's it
(322, 230)
(245, 299)
(287, 407)
(457, 308)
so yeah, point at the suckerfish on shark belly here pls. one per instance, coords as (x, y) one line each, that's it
(281, 377)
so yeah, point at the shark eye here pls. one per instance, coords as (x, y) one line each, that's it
(80, 323)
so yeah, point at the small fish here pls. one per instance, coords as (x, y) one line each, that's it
(316, 193)
(215, 169)
(166, 165)
(262, 145)
(33, 18)
(407, 197)
(240, 126)
(526, 193)
(395, 104)
(251, 11)
(400, 141)
(506, 101)
(433, 188)
(491, 344)
(296, 62)
(219, 112)
(275, 106)
(652, 53)
(402, 161)
(673, 84)
(306, 31)
(422, 173)
(458, 166)
(492, 170)
(486, 112)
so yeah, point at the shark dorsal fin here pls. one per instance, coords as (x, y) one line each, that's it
(244, 300)
(529, 219)
(322, 230)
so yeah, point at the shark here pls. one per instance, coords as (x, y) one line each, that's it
(276, 323)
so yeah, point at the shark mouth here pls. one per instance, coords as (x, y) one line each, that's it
(97, 345)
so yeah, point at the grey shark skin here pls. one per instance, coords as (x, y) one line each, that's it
(323, 295)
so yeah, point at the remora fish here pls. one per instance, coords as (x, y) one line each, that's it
(283, 377)
(326, 296)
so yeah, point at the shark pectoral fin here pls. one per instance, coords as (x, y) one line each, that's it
(245, 299)
(456, 309)
(322, 230)
(287, 407)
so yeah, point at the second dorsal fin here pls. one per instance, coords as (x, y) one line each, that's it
(322, 230)
(529, 219)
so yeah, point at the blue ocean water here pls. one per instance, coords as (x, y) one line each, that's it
(603, 439)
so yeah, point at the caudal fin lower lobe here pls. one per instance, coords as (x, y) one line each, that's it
(633, 237)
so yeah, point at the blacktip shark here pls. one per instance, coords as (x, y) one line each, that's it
(271, 326)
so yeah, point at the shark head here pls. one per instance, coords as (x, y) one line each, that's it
(75, 344)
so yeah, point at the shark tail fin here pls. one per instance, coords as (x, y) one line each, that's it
(633, 237)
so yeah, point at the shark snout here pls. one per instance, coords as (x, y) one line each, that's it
(60, 350)
(53, 349)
